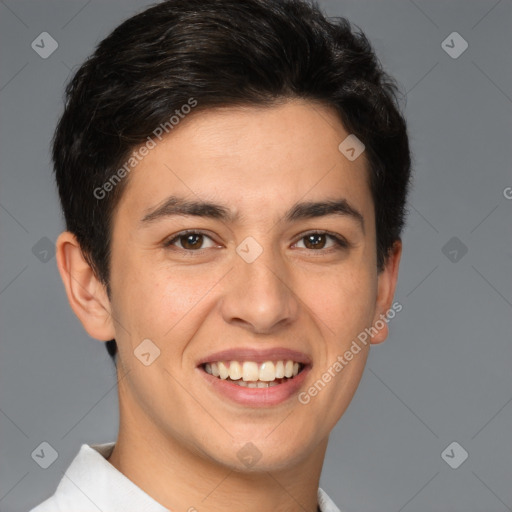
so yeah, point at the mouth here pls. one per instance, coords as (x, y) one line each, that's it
(252, 374)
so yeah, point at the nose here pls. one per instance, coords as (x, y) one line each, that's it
(260, 296)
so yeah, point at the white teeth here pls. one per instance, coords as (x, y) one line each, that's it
(223, 370)
(279, 370)
(235, 370)
(250, 371)
(267, 371)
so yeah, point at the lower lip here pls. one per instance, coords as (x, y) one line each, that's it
(257, 397)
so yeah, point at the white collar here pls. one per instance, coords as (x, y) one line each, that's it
(92, 483)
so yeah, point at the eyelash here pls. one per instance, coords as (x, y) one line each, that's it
(169, 242)
(340, 242)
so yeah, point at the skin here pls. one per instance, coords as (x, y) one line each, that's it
(178, 439)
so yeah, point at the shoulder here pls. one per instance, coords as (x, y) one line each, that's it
(81, 485)
(49, 505)
(325, 503)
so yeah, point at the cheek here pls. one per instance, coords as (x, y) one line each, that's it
(158, 300)
(343, 302)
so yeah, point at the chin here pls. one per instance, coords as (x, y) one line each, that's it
(257, 454)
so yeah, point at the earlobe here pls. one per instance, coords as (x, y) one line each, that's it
(86, 294)
(387, 280)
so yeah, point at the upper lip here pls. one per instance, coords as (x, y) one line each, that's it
(256, 355)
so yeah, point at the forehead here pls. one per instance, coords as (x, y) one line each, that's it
(252, 158)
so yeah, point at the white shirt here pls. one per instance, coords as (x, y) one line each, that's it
(92, 484)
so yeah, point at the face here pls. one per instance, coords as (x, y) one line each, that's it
(242, 241)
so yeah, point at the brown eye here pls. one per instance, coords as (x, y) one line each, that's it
(191, 241)
(322, 240)
(315, 241)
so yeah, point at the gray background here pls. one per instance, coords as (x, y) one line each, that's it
(443, 375)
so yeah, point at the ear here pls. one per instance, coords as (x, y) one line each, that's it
(386, 285)
(87, 296)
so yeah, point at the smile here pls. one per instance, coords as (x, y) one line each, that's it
(251, 374)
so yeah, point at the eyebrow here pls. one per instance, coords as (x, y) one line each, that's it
(177, 206)
(310, 210)
(174, 205)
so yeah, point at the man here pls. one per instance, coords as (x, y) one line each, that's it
(233, 177)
